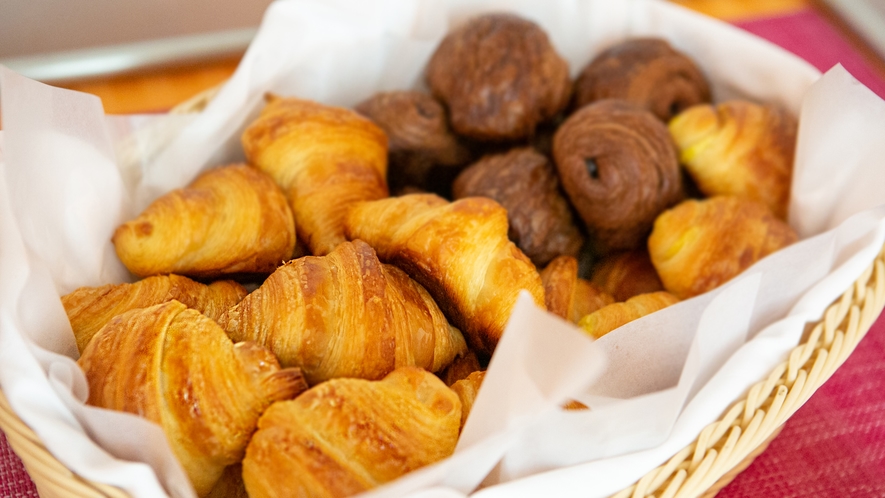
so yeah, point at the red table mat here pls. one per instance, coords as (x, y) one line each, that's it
(835, 444)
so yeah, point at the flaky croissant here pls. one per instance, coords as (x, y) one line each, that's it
(230, 220)
(176, 367)
(346, 436)
(627, 274)
(568, 296)
(90, 308)
(608, 318)
(739, 148)
(324, 158)
(467, 390)
(459, 251)
(699, 245)
(345, 315)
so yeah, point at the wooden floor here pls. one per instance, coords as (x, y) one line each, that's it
(160, 89)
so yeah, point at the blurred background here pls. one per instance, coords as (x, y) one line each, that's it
(149, 55)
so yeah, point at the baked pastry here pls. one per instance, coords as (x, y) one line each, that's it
(568, 296)
(346, 436)
(524, 182)
(422, 150)
(467, 390)
(459, 251)
(324, 158)
(618, 166)
(499, 76)
(647, 72)
(627, 274)
(739, 148)
(90, 308)
(462, 366)
(230, 484)
(608, 318)
(173, 366)
(230, 220)
(345, 315)
(699, 245)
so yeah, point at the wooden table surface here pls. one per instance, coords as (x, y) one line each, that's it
(160, 89)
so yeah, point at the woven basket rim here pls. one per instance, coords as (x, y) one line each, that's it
(721, 451)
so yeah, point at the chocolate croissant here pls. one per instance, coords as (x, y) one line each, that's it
(499, 76)
(608, 318)
(618, 166)
(647, 72)
(324, 158)
(568, 296)
(699, 245)
(90, 308)
(422, 150)
(345, 315)
(459, 251)
(230, 220)
(176, 367)
(346, 436)
(627, 274)
(524, 182)
(739, 148)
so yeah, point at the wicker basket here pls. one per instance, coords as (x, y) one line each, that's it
(720, 452)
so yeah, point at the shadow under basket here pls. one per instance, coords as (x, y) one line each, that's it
(720, 452)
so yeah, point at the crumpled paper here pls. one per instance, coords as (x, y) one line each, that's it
(70, 175)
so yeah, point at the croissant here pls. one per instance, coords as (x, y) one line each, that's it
(324, 158)
(230, 220)
(568, 296)
(345, 315)
(699, 245)
(524, 182)
(627, 274)
(459, 251)
(618, 166)
(460, 368)
(346, 436)
(90, 308)
(499, 76)
(608, 318)
(467, 390)
(422, 149)
(739, 148)
(647, 72)
(176, 367)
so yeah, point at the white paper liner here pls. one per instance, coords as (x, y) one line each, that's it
(70, 175)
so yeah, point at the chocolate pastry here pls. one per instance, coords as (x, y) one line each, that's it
(419, 138)
(499, 76)
(525, 183)
(618, 166)
(646, 72)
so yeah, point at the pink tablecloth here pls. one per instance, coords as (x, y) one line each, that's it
(835, 444)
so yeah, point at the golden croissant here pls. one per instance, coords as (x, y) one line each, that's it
(346, 436)
(699, 245)
(467, 390)
(627, 274)
(345, 315)
(230, 220)
(568, 296)
(739, 148)
(90, 308)
(173, 366)
(608, 318)
(324, 158)
(459, 251)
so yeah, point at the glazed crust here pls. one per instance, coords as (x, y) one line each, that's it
(647, 72)
(325, 158)
(346, 436)
(345, 315)
(608, 318)
(618, 166)
(499, 76)
(467, 390)
(739, 148)
(524, 182)
(627, 274)
(176, 367)
(230, 220)
(90, 308)
(699, 245)
(459, 251)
